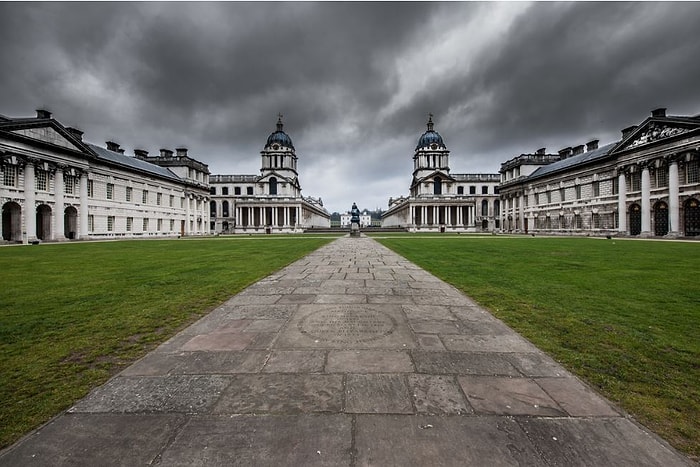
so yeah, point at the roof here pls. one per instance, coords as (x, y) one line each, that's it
(579, 159)
(132, 162)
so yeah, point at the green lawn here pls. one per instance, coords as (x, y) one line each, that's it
(622, 314)
(71, 315)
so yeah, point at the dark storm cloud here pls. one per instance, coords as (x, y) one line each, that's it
(355, 81)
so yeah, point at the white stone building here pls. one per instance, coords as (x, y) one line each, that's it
(267, 203)
(55, 186)
(440, 201)
(645, 184)
(365, 219)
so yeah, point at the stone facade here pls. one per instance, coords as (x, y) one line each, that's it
(267, 203)
(645, 184)
(54, 186)
(440, 201)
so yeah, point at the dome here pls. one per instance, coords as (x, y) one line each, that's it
(431, 138)
(279, 137)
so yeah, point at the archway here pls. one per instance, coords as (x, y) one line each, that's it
(692, 217)
(635, 219)
(12, 222)
(484, 224)
(43, 222)
(70, 222)
(660, 219)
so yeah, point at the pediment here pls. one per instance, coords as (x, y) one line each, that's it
(653, 131)
(444, 177)
(48, 134)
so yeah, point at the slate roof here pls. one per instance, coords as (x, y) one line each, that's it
(132, 162)
(569, 162)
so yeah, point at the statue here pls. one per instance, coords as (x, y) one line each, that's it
(354, 221)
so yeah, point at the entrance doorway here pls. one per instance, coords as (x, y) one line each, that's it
(660, 219)
(635, 219)
(12, 222)
(70, 222)
(43, 222)
(692, 217)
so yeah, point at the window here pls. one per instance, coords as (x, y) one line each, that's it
(485, 190)
(472, 190)
(9, 175)
(172, 200)
(273, 185)
(172, 224)
(549, 197)
(578, 222)
(692, 172)
(661, 177)
(237, 190)
(110, 191)
(562, 194)
(224, 191)
(578, 191)
(212, 208)
(249, 190)
(68, 184)
(145, 225)
(484, 208)
(129, 192)
(91, 223)
(91, 188)
(615, 186)
(182, 203)
(212, 190)
(144, 197)
(460, 190)
(159, 198)
(224, 209)
(437, 186)
(41, 182)
(596, 189)
(160, 225)
(110, 223)
(129, 223)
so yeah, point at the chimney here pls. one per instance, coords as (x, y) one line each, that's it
(166, 153)
(578, 150)
(660, 112)
(77, 134)
(541, 151)
(112, 146)
(181, 152)
(628, 131)
(140, 153)
(120, 151)
(41, 113)
(564, 153)
(592, 145)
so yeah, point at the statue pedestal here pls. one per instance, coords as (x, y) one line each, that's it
(354, 229)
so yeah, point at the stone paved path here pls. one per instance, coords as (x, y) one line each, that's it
(352, 356)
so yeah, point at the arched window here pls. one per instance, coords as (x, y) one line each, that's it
(273, 186)
(437, 186)
(484, 208)
(496, 208)
(224, 209)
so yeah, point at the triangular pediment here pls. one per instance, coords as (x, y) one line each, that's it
(47, 134)
(653, 130)
(444, 177)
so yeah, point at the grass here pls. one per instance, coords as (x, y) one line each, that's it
(624, 315)
(72, 315)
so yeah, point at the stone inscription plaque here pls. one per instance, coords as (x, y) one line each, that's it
(345, 324)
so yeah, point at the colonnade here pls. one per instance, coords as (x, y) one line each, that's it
(449, 215)
(264, 216)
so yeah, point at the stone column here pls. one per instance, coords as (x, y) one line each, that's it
(673, 202)
(646, 201)
(206, 228)
(621, 202)
(29, 202)
(58, 189)
(187, 213)
(83, 206)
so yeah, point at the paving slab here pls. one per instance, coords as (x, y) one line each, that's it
(351, 356)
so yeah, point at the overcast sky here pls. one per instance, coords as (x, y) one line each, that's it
(354, 81)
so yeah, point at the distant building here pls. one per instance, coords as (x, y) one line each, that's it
(267, 203)
(365, 219)
(55, 186)
(645, 184)
(440, 201)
